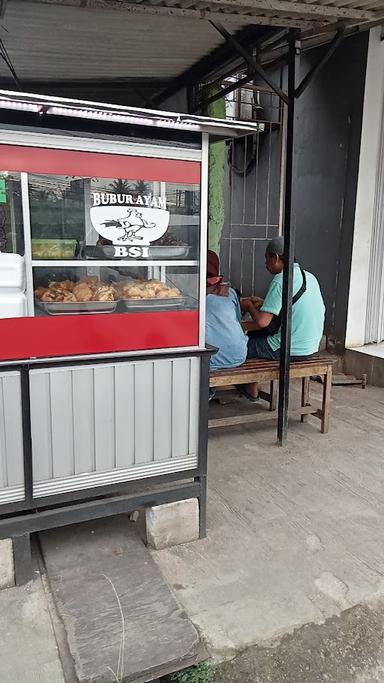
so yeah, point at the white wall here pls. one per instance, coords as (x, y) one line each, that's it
(372, 115)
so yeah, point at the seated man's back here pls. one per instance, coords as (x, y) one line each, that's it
(224, 331)
(307, 313)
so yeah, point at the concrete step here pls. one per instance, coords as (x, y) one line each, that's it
(111, 595)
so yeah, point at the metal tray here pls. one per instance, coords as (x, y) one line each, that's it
(155, 252)
(153, 304)
(97, 252)
(164, 252)
(71, 307)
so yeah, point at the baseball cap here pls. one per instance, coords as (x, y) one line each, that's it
(275, 246)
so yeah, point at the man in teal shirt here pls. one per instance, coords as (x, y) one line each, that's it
(307, 312)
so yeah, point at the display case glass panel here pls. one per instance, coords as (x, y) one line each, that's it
(106, 218)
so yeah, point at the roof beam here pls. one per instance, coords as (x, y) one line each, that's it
(99, 84)
(134, 8)
(333, 45)
(220, 58)
(222, 92)
(252, 63)
(290, 8)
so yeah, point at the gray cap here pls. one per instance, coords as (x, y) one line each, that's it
(275, 246)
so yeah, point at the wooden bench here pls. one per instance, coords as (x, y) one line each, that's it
(268, 371)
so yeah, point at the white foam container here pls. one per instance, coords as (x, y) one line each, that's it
(12, 304)
(12, 271)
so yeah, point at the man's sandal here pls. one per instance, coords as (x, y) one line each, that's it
(245, 394)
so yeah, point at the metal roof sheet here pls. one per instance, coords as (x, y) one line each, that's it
(112, 39)
(62, 42)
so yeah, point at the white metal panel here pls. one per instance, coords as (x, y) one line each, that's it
(11, 438)
(83, 420)
(62, 432)
(180, 407)
(144, 413)
(41, 426)
(86, 481)
(125, 415)
(104, 416)
(194, 403)
(45, 138)
(162, 418)
(112, 417)
(374, 324)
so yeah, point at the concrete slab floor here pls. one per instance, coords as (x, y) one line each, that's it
(371, 349)
(294, 533)
(28, 651)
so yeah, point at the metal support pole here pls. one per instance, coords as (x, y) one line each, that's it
(289, 242)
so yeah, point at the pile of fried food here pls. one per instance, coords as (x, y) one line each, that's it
(92, 289)
(168, 240)
(146, 289)
(87, 289)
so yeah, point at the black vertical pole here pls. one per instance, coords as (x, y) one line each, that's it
(289, 242)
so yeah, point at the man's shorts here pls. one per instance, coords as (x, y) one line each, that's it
(258, 347)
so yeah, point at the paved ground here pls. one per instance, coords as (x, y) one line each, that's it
(295, 534)
(28, 652)
(288, 587)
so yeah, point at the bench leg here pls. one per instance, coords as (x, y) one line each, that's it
(326, 408)
(270, 396)
(305, 396)
(273, 395)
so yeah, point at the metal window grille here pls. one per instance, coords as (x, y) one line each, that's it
(254, 192)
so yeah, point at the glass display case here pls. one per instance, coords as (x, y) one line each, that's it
(120, 237)
(101, 245)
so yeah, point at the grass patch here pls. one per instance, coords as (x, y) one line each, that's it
(202, 673)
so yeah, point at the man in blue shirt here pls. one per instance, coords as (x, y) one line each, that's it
(223, 319)
(307, 313)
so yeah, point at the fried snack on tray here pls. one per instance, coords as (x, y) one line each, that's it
(69, 296)
(104, 293)
(39, 292)
(92, 289)
(152, 289)
(67, 284)
(47, 296)
(91, 281)
(83, 292)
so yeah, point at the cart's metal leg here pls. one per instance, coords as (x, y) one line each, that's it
(203, 444)
(203, 507)
(22, 558)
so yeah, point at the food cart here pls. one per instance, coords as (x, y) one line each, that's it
(103, 365)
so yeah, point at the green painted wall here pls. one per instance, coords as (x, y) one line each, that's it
(216, 178)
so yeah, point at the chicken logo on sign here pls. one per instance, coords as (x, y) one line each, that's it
(129, 223)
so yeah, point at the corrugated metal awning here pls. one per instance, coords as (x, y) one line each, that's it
(218, 129)
(69, 40)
